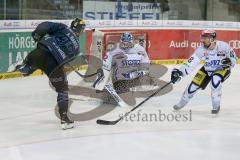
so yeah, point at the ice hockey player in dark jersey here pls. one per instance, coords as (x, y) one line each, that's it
(56, 44)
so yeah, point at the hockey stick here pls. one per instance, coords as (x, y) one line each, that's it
(106, 122)
(81, 75)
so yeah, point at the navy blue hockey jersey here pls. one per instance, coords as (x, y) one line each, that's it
(59, 39)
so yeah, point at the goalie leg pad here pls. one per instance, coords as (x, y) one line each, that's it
(102, 79)
(114, 94)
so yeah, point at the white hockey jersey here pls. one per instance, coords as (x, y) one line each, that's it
(212, 58)
(126, 61)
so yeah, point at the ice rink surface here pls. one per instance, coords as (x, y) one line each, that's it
(29, 129)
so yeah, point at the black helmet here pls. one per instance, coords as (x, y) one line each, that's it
(78, 25)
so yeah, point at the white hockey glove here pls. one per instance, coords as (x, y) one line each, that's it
(134, 74)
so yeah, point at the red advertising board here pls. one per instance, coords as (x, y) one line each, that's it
(176, 43)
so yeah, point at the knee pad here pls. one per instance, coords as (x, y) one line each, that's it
(216, 88)
(190, 91)
(216, 82)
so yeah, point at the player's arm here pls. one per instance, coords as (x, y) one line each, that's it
(187, 67)
(230, 60)
(144, 64)
(46, 28)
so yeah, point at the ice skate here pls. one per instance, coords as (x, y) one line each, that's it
(66, 123)
(216, 110)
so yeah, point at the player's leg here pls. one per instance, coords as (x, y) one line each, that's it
(41, 58)
(218, 78)
(200, 80)
(31, 63)
(58, 79)
(189, 92)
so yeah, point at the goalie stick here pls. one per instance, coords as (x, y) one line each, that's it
(106, 122)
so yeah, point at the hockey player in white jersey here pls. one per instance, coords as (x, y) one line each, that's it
(218, 58)
(125, 62)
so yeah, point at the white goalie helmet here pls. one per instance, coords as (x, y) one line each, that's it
(126, 40)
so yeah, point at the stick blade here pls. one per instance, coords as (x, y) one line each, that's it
(104, 122)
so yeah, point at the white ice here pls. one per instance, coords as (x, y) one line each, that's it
(29, 129)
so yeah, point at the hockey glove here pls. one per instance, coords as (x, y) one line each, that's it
(226, 63)
(134, 74)
(176, 75)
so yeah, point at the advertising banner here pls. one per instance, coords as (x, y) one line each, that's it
(113, 10)
(15, 46)
(163, 44)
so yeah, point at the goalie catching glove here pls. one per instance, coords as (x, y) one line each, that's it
(176, 75)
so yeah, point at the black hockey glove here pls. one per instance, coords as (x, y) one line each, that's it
(176, 75)
(226, 63)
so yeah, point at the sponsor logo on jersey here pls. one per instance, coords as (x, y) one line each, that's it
(131, 62)
(212, 63)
